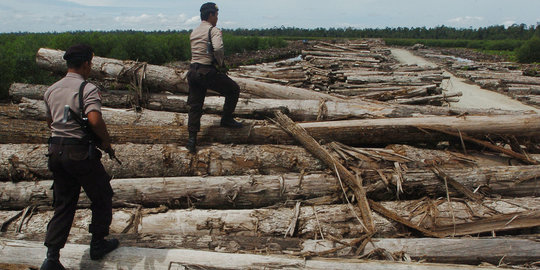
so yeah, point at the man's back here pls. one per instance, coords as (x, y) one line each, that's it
(66, 92)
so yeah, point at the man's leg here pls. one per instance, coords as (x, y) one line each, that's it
(96, 184)
(230, 89)
(66, 195)
(197, 94)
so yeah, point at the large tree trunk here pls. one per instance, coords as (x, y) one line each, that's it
(28, 161)
(260, 191)
(160, 78)
(456, 250)
(329, 220)
(373, 131)
(299, 110)
(252, 191)
(75, 256)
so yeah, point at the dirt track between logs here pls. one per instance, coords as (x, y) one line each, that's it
(473, 95)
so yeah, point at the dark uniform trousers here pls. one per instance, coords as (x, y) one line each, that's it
(75, 166)
(203, 77)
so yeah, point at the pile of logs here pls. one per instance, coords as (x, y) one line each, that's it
(355, 70)
(312, 174)
(521, 84)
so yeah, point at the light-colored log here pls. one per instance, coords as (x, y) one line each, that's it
(160, 78)
(221, 192)
(265, 190)
(455, 250)
(75, 256)
(155, 77)
(28, 161)
(330, 220)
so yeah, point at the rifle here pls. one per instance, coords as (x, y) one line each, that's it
(82, 120)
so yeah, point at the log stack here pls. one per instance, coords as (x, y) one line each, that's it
(313, 174)
(355, 70)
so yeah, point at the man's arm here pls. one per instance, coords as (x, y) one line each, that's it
(49, 121)
(217, 43)
(99, 128)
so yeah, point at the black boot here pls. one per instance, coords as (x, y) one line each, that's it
(99, 247)
(52, 262)
(229, 122)
(192, 142)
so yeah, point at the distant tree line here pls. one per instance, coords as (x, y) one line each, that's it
(497, 32)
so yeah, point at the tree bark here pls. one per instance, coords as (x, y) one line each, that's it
(330, 220)
(374, 131)
(75, 256)
(28, 161)
(218, 192)
(264, 190)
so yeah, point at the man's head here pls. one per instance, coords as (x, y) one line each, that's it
(209, 13)
(79, 59)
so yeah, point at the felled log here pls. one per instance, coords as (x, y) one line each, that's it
(160, 78)
(456, 250)
(218, 192)
(330, 220)
(429, 99)
(374, 131)
(260, 191)
(75, 256)
(300, 110)
(28, 161)
(155, 77)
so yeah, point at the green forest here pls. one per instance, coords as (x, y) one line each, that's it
(17, 50)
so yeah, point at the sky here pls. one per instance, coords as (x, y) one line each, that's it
(154, 15)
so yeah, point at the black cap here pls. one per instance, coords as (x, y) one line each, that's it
(209, 7)
(79, 52)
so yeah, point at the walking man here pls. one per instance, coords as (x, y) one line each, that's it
(74, 159)
(207, 59)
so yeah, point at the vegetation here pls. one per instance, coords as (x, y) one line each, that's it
(18, 50)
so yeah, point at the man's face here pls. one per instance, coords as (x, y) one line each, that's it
(213, 18)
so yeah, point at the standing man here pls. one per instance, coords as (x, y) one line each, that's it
(207, 55)
(74, 160)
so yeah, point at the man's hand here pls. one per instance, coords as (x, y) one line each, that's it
(112, 154)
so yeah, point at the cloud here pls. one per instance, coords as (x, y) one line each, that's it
(509, 23)
(466, 20)
(93, 3)
(156, 21)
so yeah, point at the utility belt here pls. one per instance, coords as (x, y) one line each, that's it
(68, 141)
(197, 66)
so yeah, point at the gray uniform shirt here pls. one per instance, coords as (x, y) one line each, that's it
(199, 39)
(66, 92)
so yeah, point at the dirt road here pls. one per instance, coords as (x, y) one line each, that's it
(473, 95)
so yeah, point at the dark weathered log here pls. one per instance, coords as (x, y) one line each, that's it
(75, 256)
(28, 161)
(329, 220)
(374, 131)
